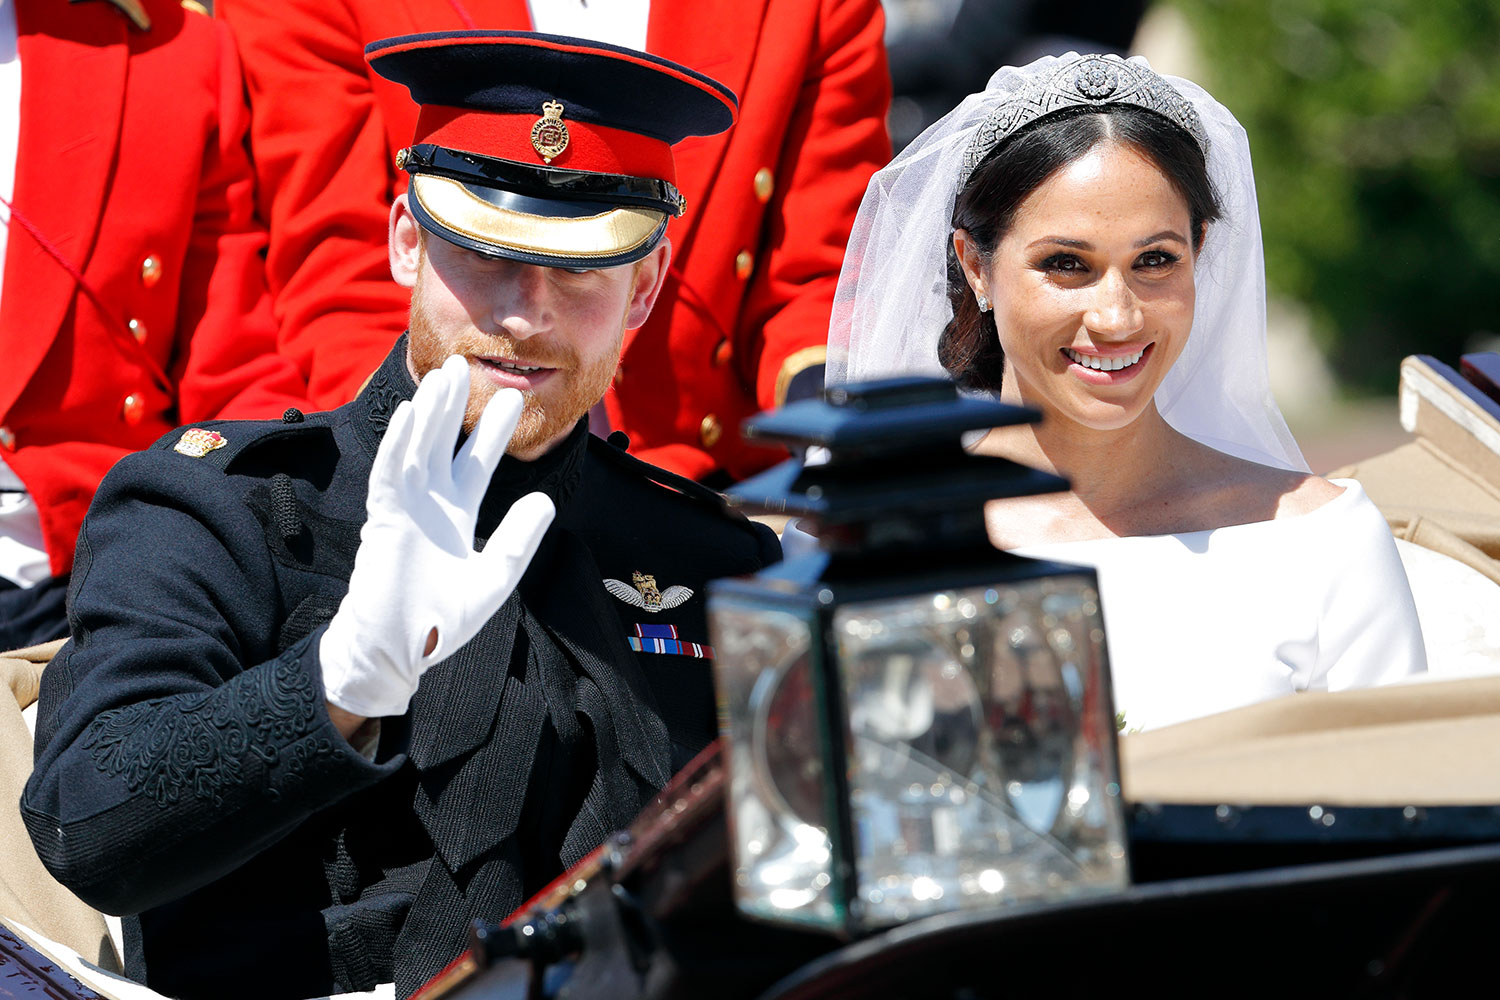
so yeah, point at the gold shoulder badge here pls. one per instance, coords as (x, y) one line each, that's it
(549, 136)
(197, 442)
(642, 593)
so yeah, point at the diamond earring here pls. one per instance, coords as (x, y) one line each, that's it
(984, 304)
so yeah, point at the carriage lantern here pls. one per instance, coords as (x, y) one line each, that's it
(914, 721)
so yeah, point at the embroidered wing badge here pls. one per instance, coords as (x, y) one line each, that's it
(642, 593)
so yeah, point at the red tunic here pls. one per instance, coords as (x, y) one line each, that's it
(755, 259)
(131, 164)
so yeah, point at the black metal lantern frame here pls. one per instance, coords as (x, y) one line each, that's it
(914, 720)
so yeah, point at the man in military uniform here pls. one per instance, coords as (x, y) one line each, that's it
(234, 746)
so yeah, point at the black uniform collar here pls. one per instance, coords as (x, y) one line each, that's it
(556, 473)
(377, 401)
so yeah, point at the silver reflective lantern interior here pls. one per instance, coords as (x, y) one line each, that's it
(778, 816)
(977, 768)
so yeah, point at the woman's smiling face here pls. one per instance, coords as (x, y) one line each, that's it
(1092, 287)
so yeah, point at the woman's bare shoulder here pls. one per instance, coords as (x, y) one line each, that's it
(1308, 495)
(1248, 491)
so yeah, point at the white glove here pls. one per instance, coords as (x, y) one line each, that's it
(416, 571)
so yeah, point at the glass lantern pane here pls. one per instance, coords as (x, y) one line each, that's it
(768, 718)
(981, 756)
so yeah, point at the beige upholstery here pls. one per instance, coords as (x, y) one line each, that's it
(1442, 490)
(1409, 744)
(29, 896)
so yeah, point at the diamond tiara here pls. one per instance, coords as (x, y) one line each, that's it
(1086, 81)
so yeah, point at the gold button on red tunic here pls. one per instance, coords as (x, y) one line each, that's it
(709, 431)
(134, 408)
(765, 184)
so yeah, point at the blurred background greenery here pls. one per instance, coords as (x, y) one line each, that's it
(1375, 128)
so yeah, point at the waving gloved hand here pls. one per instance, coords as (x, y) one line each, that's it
(419, 591)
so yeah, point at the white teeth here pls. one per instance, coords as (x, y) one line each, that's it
(519, 369)
(1103, 364)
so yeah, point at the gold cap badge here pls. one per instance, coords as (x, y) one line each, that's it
(549, 136)
(197, 442)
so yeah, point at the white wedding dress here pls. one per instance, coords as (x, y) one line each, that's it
(1204, 621)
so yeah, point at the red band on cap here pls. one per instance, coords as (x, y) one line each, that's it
(594, 148)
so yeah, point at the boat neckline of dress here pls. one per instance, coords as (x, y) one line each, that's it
(1353, 491)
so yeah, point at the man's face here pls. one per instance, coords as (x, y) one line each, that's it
(552, 333)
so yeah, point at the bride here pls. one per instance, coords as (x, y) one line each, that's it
(1082, 238)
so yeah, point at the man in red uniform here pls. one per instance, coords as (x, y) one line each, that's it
(133, 295)
(755, 258)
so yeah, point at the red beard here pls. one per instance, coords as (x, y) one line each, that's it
(549, 414)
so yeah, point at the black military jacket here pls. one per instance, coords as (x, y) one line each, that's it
(187, 771)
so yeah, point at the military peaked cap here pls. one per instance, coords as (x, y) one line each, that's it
(546, 149)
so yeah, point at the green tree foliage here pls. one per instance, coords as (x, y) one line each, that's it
(1375, 128)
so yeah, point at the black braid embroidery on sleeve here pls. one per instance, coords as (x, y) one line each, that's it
(285, 508)
(201, 744)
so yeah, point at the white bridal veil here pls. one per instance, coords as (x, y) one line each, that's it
(892, 300)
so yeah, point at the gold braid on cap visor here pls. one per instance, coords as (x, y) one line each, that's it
(616, 231)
